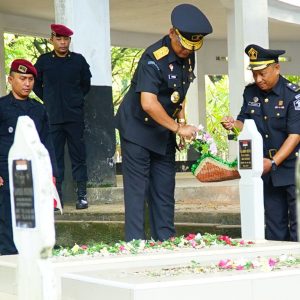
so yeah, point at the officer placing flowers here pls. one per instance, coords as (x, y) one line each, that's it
(151, 115)
(274, 104)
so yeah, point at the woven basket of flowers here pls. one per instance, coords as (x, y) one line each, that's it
(209, 167)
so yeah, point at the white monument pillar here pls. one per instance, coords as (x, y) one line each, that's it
(90, 22)
(192, 100)
(250, 162)
(31, 191)
(247, 23)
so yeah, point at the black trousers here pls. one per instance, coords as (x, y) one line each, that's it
(7, 246)
(280, 212)
(148, 175)
(72, 134)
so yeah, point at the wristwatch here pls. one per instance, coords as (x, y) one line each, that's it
(274, 166)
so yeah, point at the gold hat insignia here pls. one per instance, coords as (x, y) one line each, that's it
(252, 54)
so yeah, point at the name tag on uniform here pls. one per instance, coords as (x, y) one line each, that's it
(172, 76)
(254, 104)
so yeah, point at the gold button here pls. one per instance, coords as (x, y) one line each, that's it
(297, 154)
(174, 84)
(252, 111)
(146, 119)
(265, 117)
(278, 114)
(266, 136)
(266, 100)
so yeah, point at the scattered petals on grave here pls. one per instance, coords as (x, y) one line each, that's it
(191, 240)
(259, 264)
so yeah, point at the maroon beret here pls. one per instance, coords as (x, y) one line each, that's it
(62, 30)
(23, 66)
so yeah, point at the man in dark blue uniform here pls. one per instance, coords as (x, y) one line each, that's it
(63, 80)
(17, 103)
(147, 126)
(274, 104)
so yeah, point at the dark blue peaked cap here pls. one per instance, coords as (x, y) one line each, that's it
(260, 57)
(188, 18)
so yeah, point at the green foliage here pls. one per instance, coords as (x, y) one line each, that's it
(27, 47)
(217, 106)
(123, 64)
(292, 78)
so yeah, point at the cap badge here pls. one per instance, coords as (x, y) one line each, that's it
(196, 37)
(255, 99)
(175, 97)
(22, 69)
(252, 54)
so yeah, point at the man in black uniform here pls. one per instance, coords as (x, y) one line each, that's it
(63, 80)
(15, 104)
(274, 104)
(146, 121)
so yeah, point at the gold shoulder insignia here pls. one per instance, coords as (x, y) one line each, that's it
(161, 52)
(38, 100)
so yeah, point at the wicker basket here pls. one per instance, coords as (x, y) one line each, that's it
(211, 170)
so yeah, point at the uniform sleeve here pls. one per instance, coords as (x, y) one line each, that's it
(85, 77)
(149, 78)
(38, 83)
(243, 115)
(293, 116)
(46, 140)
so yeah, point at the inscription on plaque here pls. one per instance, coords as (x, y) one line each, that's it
(23, 194)
(245, 152)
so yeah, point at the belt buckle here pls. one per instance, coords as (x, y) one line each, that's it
(272, 152)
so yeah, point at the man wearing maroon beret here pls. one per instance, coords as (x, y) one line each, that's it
(62, 82)
(17, 103)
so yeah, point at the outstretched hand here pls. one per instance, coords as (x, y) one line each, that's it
(228, 122)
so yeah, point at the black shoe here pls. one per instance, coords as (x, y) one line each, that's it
(82, 203)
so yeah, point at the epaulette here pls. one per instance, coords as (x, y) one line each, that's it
(38, 100)
(293, 87)
(161, 52)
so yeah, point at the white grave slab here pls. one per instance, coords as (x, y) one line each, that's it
(87, 277)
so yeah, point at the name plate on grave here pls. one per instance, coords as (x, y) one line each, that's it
(23, 193)
(245, 152)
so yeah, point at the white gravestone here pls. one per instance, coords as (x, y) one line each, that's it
(250, 163)
(31, 190)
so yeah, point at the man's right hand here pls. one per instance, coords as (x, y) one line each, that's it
(228, 122)
(188, 132)
(1, 181)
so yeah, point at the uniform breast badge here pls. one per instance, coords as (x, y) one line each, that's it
(175, 97)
